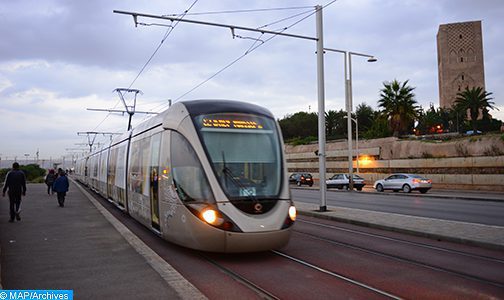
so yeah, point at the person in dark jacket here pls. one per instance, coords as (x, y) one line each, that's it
(60, 186)
(15, 182)
(49, 180)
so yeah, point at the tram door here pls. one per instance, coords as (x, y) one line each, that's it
(154, 180)
(111, 173)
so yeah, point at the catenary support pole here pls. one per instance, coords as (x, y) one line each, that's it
(321, 108)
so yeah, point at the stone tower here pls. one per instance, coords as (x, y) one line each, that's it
(460, 59)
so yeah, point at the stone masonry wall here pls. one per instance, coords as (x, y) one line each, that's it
(467, 163)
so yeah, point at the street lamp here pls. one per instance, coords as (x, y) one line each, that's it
(348, 102)
(356, 141)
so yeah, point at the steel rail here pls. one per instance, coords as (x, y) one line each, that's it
(493, 259)
(406, 260)
(344, 278)
(257, 289)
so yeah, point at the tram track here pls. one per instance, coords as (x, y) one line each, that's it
(418, 263)
(260, 289)
(289, 273)
(403, 241)
(172, 253)
(339, 276)
(289, 261)
(261, 292)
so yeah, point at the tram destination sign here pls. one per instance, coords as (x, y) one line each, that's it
(230, 123)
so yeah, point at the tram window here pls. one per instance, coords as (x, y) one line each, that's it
(95, 166)
(188, 175)
(139, 167)
(112, 165)
(245, 154)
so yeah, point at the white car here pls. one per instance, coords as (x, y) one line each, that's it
(404, 182)
(341, 181)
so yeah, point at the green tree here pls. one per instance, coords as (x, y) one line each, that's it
(399, 106)
(365, 116)
(379, 129)
(429, 120)
(445, 116)
(299, 125)
(331, 122)
(457, 118)
(474, 100)
(335, 123)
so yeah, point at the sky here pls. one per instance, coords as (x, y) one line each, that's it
(58, 58)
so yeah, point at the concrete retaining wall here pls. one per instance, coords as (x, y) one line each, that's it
(473, 171)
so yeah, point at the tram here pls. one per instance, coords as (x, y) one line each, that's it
(205, 174)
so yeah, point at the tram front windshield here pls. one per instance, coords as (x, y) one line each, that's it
(245, 154)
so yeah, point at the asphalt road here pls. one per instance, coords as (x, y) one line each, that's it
(415, 204)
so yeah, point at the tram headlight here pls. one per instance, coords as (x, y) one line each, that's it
(210, 216)
(292, 213)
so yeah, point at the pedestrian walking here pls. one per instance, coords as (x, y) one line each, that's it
(15, 182)
(60, 186)
(49, 180)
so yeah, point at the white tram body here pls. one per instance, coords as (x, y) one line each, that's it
(205, 174)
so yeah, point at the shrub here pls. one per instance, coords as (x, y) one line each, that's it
(301, 141)
(33, 173)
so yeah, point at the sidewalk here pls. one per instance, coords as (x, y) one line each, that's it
(80, 248)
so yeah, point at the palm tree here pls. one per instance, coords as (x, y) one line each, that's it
(475, 100)
(335, 123)
(331, 122)
(399, 105)
(365, 116)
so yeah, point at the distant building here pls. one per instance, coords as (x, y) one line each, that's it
(460, 59)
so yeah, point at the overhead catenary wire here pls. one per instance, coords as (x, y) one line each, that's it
(244, 11)
(166, 35)
(287, 18)
(251, 49)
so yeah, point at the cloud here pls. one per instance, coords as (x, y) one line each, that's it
(58, 58)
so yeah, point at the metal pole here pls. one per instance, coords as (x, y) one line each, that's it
(357, 142)
(129, 120)
(233, 27)
(348, 98)
(321, 109)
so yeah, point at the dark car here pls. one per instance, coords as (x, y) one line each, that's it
(301, 178)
